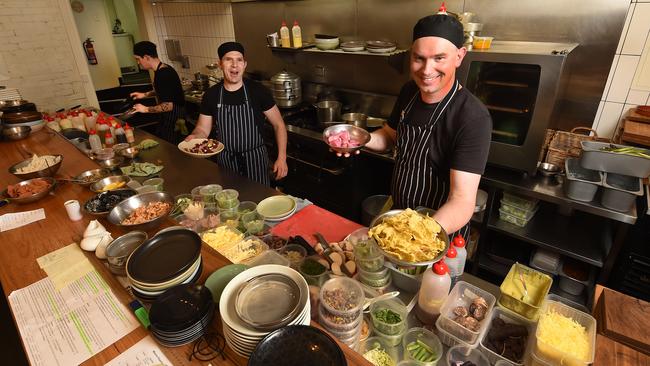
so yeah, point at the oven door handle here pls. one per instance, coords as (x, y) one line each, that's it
(337, 171)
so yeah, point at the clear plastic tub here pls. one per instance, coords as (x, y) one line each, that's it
(267, 257)
(518, 212)
(450, 340)
(459, 354)
(379, 343)
(374, 279)
(208, 192)
(394, 305)
(423, 338)
(390, 339)
(295, 253)
(246, 249)
(380, 289)
(403, 281)
(368, 256)
(512, 291)
(521, 222)
(551, 354)
(375, 275)
(342, 296)
(522, 203)
(546, 261)
(227, 198)
(510, 318)
(462, 295)
(313, 279)
(337, 323)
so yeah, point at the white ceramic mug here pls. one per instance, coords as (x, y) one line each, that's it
(73, 209)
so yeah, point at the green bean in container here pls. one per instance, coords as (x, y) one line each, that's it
(420, 351)
(627, 150)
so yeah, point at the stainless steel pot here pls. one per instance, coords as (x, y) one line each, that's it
(357, 119)
(328, 111)
(286, 89)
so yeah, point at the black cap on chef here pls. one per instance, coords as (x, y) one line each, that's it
(230, 46)
(145, 48)
(440, 25)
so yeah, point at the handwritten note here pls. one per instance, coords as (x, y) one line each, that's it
(144, 353)
(15, 220)
(65, 265)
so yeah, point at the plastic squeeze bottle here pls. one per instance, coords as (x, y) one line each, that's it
(95, 141)
(434, 289)
(297, 35)
(108, 139)
(284, 35)
(459, 244)
(453, 264)
(120, 136)
(128, 131)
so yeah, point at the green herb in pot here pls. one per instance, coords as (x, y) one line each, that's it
(388, 316)
(312, 267)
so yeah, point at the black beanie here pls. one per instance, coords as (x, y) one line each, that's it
(145, 48)
(230, 46)
(440, 25)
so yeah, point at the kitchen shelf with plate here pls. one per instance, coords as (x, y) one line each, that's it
(581, 236)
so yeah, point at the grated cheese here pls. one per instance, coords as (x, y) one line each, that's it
(564, 334)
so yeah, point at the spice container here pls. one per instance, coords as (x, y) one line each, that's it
(523, 203)
(314, 272)
(389, 316)
(267, 257)
(374, 279)
(423, 346)
(582, 183)
(459, 354)
(342, 296)
(274, 242)
(295, 253)
(341, 324)
(517, 342)
(620, 192)
(513, 295)
(376, 351)
(470, 323)
(557, 342)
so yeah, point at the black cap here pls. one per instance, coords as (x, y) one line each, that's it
(440, 25)
(145, 48)
(230, 46)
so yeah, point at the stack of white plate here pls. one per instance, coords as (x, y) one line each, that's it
(277, 208)
(267, 297)
(380, 46)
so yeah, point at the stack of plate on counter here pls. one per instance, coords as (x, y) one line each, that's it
(181, 314)
(170, 258)
(380, 46)
(259, 301)
(277, 208)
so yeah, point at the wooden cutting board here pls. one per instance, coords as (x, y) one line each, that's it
(611, 353)
(313, 219)
(625, 319)
(634, 116)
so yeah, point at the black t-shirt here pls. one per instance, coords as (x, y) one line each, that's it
(259, 97)
(461, 137)
(168, 86)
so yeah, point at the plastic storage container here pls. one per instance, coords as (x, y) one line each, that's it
(620, 191)
(295, 253)
(450, 340)
(342, 296)
(339, 324)
(313, 279)
(517, 212)
(246, 249)
(390, 339)
(462, 295)
(510, 318)
(546, 261)
(267, 257)
(521, 222)
(394, 305)
(596, 159)
(375, 279)
(512, 291)
(574, 276)
(582, 184)
(423, 338)
(403, 281)
(551, 354)
(523, 203)
(379, 343)
(368, 256)
(459, 354)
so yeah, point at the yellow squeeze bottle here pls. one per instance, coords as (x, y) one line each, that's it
(284, 35)
(297, 35)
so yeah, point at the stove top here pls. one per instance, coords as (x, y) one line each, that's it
(303, 116)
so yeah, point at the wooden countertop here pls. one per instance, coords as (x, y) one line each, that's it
(22, 246)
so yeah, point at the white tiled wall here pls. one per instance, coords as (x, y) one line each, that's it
(619, 95)
(200, 29)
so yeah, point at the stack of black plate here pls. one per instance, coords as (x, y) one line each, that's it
(170, 258)
(181, 314)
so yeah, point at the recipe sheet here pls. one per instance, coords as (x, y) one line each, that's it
(15, 220)
(68, 326)
(66, 265)
(144, 353)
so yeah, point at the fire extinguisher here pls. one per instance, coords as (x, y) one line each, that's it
(90, 51)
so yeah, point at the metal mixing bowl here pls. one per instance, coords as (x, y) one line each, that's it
(123, 209)
(35, 197)
(48, 171)
(79, 179)
(103, 183)
(111, 163)
(355, 132)
(548, 169)
(16, 133)
(119, 250)
(129, 152)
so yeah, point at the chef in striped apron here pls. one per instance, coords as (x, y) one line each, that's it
(440, 131)
(237, 108)
(166, 87)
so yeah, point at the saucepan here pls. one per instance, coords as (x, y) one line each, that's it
(328, 111)
(357, 119)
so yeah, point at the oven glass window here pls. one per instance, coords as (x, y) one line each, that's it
(509, 92)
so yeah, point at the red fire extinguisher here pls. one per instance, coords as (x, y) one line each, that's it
(90, 51)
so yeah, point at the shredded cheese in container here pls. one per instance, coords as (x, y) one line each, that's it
(221, 236)
(564, 334)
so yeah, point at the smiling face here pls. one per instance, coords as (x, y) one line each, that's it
(233, 66)
(433, 66)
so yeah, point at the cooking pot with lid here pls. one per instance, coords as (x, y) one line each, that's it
(286, 89)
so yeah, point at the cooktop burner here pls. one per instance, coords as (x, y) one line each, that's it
(303, 116)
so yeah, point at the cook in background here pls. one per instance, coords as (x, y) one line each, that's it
(441, 132)
(166, 87)
(237, 108)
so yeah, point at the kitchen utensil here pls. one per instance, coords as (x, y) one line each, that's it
(359, 134)
(286, 89)
(525, 297)
(273, 40)
(48, 171)
(111, 163)
(16, 133)
(35, 197)
(123, 209)
(357, 119)
(386, 296)
(548, 169)
(581, 184)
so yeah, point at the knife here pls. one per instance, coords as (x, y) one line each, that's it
(327, 250)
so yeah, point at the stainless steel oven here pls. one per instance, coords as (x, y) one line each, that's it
(521, 84)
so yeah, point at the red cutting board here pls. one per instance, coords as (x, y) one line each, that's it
(313, 219)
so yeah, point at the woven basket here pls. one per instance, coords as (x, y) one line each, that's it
(547, 141)
(567, 144)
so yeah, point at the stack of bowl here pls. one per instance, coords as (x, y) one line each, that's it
(389, 320)
(31, 119)
(325, 42)
(370, 261)
(340, 310)
(170, 258)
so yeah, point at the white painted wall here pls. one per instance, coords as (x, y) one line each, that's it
(93, 23)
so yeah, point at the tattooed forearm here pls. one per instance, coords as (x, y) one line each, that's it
(162, 107)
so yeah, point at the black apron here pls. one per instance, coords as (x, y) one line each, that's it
(167, 123)
(244, 151)
(414, 181)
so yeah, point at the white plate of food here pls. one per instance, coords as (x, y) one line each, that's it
(201, 148)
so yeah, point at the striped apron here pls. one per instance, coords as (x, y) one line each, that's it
(414, 181)
(167, 123)
(244, 151)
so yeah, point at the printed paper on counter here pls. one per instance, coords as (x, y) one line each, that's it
(68, 326)
(66, 265)
(144, 353)
(15, 220)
